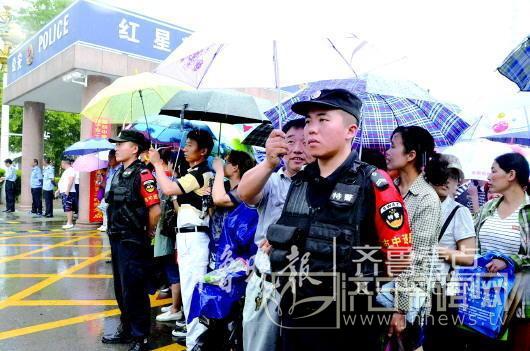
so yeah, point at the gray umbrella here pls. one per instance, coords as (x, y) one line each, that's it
(217, 105)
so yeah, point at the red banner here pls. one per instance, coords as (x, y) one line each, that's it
(100, 129)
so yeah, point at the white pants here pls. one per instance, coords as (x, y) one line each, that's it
(261, 328)
(193, 256)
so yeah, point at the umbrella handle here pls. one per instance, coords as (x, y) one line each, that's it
(145, 116)
(219, 141)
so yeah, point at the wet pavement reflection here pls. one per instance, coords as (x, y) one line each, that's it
(56, 288)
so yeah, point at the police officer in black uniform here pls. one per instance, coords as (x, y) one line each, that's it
(132, 216)
(328, 214)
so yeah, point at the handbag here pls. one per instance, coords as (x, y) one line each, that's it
(169, 219)
(486, 305)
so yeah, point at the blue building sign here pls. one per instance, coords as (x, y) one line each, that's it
(97, 25)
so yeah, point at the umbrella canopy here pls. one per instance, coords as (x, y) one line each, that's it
(252, 58)
(165, 129)
(516, 67)
(91, 162)
(88, 146)
(382, 113)
(477, 156)
(258, 135)
(131, 97)
(223, 106)
(503, 120)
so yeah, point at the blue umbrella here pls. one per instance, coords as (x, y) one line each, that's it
(88, 146)
(383, 111)
(516, 67)
(168, 130)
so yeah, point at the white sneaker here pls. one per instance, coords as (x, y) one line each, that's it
(165, 308)
(179, 333)
(168, 316)
(68, 226)
(102, 228)
(180, 323)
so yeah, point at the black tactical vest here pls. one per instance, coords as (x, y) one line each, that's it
(335, 225)
(127, 213)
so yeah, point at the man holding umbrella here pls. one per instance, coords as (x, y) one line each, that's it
(192, 221)
(133, 212)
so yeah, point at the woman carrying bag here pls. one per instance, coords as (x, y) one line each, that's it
(502, 225)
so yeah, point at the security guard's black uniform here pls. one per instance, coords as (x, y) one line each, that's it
(133, 191)
(324, 225)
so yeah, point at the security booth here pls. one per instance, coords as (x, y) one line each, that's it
(66, 63)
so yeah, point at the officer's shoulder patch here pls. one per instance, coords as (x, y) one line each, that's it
(149, 185)
(379, 180)
(393, 214)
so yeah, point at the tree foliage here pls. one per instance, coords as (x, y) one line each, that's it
(61, 128)
(39, 13)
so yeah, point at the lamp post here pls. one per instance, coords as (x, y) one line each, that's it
(5, 19)
(10, 35)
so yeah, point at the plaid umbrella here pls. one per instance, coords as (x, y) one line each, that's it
(258, 135)
(516, 67)
(381, 113)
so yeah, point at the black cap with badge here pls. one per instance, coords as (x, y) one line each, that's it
(132, 136)
(331, 99)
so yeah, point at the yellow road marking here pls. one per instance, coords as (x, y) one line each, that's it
(66, 303)
(49, 281)
(36, 275)
(70, 321)
(9, 233)
(57, 324)
(41, 245)
(49, 236)
(17, 257)
(172, 347)
(47, 275)
(55, 258)
(88, 276)
(34, 231)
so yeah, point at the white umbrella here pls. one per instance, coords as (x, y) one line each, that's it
(476, 156)
(506, 118)
(204, 60)
(251, 58)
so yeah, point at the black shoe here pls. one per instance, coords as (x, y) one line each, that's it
(5, 211)
(139, 345)
(119, 337)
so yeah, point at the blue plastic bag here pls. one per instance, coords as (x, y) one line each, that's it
(236, 241)
(483, 295)
(237, 236)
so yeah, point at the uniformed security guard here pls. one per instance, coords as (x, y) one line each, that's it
(330, 212)
(133, 213)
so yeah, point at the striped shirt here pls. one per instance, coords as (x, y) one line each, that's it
(502, 235)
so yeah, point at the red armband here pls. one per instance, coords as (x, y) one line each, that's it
(391, 218)
(148, 189)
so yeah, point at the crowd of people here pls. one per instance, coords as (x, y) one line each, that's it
(337, 249)
(43, 185)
